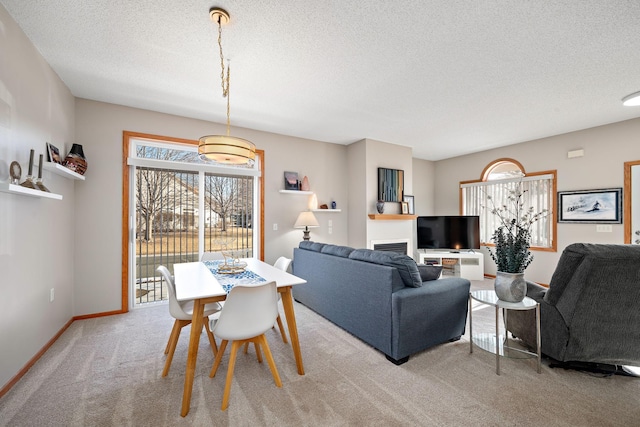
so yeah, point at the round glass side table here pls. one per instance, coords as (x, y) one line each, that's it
(501, 346)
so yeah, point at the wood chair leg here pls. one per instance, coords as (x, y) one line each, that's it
(246, 347)
(282, 332)
(212, 340)
(272, 363)
(173, 342)
(216, 362)
(256, 345)
(174, 330)
(232, 363)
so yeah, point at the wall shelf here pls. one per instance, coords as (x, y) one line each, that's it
(303, 193)
(326, 210)
(23, 191)
(392, 217)
(58, 169)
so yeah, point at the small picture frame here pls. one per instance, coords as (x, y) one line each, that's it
(602, 206)
(409, 200)
(404, 208)
(53, 154)
(291, 181)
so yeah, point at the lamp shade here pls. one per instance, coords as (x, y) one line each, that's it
(306, 219)
(227, 150)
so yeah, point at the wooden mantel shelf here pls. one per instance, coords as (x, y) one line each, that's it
(388, 217)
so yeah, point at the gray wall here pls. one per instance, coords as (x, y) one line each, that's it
(606, 149)
(36, 235)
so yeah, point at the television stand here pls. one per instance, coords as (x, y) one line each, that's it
(468, 265)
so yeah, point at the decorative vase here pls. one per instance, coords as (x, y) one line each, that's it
(510, 287)
(304, 186)
(380, 206)
(75, 160)
(333, 205)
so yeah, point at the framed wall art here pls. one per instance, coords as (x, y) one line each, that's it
(409, 200)
(291, 181)
(390, 185)
(53, 154)
(404, 207)
(602, 206)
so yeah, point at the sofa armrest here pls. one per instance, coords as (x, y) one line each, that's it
(536, 291)
(429, 315)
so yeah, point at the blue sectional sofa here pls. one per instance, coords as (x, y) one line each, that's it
(380, 298)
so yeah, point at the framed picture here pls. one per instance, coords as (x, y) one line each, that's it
(404, 208)
(291, 180)
(390, 184)
(409, 200)
(590, 206)
(53, 154)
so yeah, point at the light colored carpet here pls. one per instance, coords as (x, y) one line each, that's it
(106, 371)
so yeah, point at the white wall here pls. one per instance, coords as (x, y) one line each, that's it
(98, 243)
(606, 149)
(36, 235)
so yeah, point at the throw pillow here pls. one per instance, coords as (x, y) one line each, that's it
(429, 272)
(341, 251)
(406, 265)
(311, 246)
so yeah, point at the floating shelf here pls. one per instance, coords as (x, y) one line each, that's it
(305, 193)
(58, 169)
(396, 217)
(23, 191)
(326, 210)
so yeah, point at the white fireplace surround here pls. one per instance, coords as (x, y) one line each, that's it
(407, 242)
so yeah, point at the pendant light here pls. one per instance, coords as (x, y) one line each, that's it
(225, 149)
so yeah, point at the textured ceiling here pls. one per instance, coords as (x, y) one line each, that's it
(444, 77)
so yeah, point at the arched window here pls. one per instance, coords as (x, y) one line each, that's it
(497, 182)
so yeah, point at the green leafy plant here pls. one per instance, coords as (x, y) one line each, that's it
(512, 238)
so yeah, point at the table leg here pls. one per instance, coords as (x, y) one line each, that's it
(287, 303)
(194, 341)
(497, 340)
(538, 335)
(470, 325)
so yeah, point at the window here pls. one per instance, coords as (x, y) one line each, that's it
(178, 207)
(498, 179)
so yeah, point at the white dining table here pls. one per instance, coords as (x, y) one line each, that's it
(194, 281)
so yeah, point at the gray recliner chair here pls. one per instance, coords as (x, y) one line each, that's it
(591, 310)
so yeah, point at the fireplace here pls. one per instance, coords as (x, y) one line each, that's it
(396, 245)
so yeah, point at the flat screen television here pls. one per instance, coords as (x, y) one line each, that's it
(451, 233)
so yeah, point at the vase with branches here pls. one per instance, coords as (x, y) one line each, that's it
(512, 240)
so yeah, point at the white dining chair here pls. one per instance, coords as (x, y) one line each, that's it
(182, 312)
(282, 263)
(248, 313)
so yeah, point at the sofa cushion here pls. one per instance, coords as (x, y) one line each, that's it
(429, 272)
(343, 251)
(406, 265)
(311, 246)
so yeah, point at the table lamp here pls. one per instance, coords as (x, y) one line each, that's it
(306, 220)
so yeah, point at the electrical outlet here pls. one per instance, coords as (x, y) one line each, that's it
(51, 295)
(330, 230)
(604, 228)
(275, 227)
(330, 224)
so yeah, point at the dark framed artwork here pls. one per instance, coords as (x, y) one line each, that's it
(409, 200)
(603, 206)
(390, 185)
(53, 154)
(404, 208)
(291, 180)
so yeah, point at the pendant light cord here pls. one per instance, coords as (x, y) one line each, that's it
(224, 76)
